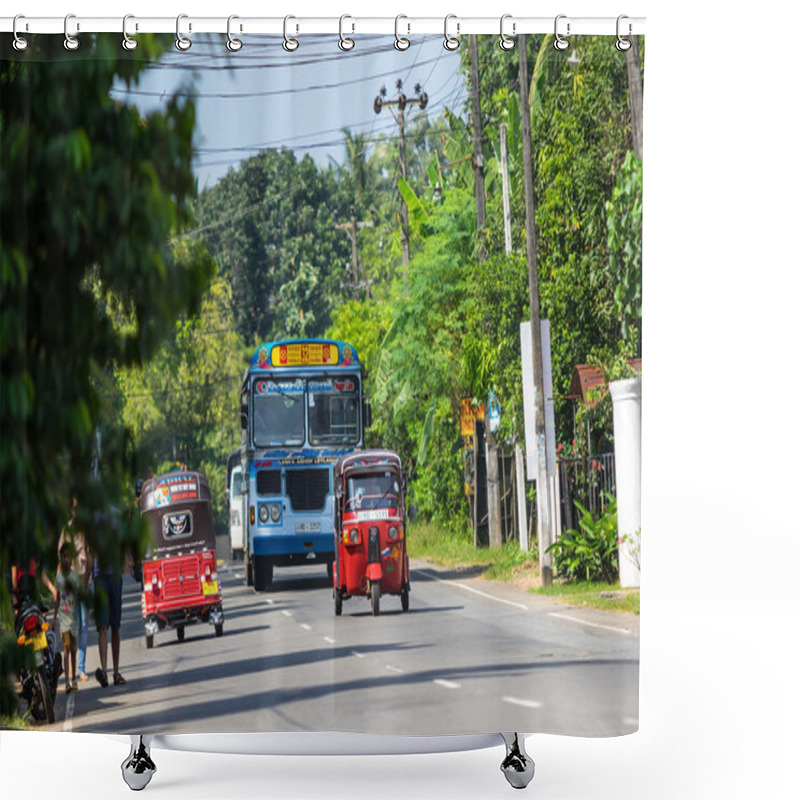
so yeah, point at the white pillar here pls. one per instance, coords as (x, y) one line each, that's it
(626, 396)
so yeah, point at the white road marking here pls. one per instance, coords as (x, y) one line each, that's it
(286, 613)
(305, 627)
(474, 591)
(357, 654)
(329, 640)
(393, 669)
(69, 712)
(269, 601)
(447, 684)
(590, 624)
(517, 701)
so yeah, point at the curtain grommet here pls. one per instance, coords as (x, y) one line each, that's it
(233, 44)
(71, 43)
(345, 42)
(289, 44)
(559, 43)
(451, 43)
(623, 44)
(127, 42)
(183, 43)
(20, 42)
(400, 42)
(507, 42)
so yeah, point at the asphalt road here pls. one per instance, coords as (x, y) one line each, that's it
(470, 656)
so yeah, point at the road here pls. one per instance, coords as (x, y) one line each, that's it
(470, 656)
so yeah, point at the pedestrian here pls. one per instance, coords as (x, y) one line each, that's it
(67, 587)
(71, 534)
(108, 614)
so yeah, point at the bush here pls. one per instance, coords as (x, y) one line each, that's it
(591, 552)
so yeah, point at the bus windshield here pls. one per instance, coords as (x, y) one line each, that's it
(279, 414)
(333, 411)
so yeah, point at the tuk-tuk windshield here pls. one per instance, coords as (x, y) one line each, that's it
(372, 490)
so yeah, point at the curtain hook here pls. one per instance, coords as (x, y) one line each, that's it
(70, 42)
(233, 44)
(127, 42)
(451, 42)
(289, 44)
(20, 42)
(345, 43)
(181, 42)
(559, 43)
(506, 42)
(400, 42)
(622, 43)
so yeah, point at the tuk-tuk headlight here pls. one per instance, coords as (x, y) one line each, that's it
(275, 512)
(392, 533)
(351, 536)
(263, 514)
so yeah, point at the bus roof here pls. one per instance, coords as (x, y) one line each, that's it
(300, 353)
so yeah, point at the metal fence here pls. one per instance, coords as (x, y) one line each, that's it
(586, 480)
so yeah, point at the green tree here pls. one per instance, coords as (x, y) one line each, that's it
(91, 194)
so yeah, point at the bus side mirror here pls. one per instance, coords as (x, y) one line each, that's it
(243, 417)
(367, 414)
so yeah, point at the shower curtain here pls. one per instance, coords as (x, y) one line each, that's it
(169, 208)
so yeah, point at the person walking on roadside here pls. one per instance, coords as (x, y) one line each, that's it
(80, 561)
(67, 586)
(108, 614)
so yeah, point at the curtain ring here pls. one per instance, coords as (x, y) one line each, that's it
(400, 42)
(233, 44)
(289, 44)
(622, 43)
(559, 43)
(451, 42)
(181, 42)
(70, 42)
(127, 42)
(345, 43)
(20, 42)
(506, 42)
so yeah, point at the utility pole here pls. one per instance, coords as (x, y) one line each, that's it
(519, 460)
(542, 487)
(492, 465)
(401, 102)
(634, 65)
(351, 229)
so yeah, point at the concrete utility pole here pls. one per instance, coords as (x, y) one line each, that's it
(519, 461)
(351, 229)
(542, 487)
(400, 102)
(492, 464)
(634, 65)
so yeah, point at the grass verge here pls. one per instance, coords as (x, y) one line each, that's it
(508, 563)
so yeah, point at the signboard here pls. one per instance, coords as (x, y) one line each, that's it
(304, 354)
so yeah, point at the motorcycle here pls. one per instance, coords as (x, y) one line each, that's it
(40, 679)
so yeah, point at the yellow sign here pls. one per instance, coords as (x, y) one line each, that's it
(305, 354)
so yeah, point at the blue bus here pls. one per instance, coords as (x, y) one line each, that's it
(302, 407)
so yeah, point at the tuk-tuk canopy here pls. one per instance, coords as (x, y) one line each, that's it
(178, 508)
(366, 460)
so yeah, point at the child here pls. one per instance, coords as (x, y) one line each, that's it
(67, 585)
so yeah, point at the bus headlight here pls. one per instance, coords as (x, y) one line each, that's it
(263, 514)
(275, 512)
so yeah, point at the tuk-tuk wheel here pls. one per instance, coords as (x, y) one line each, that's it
(375, 597)
(404, 598)
(337, 602)
(218, 630)
(181, 632)
(149, 641)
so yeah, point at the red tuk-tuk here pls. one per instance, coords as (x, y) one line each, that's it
(369, 523)
(179, 575)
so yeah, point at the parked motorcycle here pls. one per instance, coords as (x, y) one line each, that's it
(40, 680)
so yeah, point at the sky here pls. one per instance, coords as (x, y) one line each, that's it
(263, 96)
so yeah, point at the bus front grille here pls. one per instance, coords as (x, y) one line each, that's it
(268, 481)
(307, 488)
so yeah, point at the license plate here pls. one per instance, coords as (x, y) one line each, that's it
(40, 641)
(210, 587)
(307, 527)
